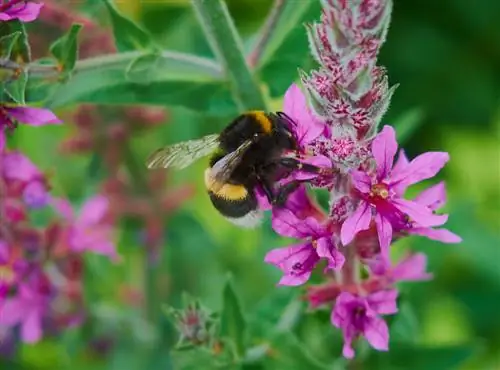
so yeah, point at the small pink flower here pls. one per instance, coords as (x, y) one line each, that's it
(25, 11)
(17, 167)
(380, 193)
(298, 261)
(88, 231)
(356, 315)
(28, 115)
(27, 310)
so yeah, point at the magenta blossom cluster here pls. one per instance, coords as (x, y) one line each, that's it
(336, 122)
(41, 262)
(39, 274)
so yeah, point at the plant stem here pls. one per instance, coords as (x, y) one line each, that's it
(266, 32)
(227, 46)
(107, 60)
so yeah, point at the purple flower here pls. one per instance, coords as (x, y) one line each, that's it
(433, 198)
(88, 231)
(18, 167)
(411, 268)
(381, 193)
(27, 310)
(306, 127)
(25, 11)
(356, 315)
(28, 115)
(297, 261)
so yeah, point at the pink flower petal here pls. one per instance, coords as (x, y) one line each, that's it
(12, 312)
(33, 116)
(326, 249)
(361, 181)
(19, 167)
(287, 224)
(377, 333)
(93, 210)
(31, 328)
(384, 231)
(26, 12)
(384, 301)
(400, 165)
(63, 207)
(294, 280)
(433, 197)
(384, 148)
(419, 214)
(308, 127)
(358, 221)
(412, 268)
(441, 235)
(2, 140)
(423, 167)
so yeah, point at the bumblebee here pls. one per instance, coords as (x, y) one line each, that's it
(254, 151)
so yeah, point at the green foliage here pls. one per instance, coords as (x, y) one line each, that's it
(20, 50)
(233, 325)
(7, 43)
(128, 35)
(65, 49)
(289, 47)
(16, 88)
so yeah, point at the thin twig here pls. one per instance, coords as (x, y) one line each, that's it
(266, 32)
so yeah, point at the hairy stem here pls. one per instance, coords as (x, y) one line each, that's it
(227, 46)
(266, 32)
(123, 59)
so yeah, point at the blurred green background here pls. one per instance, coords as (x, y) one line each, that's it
(446, 56)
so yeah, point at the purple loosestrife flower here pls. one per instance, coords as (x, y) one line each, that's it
(28, 115)
(336, 124)
(298, 261)
(25, 11)
(357, 315)
(90, 230)
(380, 192)
(27, 309)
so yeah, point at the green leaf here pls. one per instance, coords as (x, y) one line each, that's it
(128, 35)
(407, 124)
(20, 49)
(188, 81)
(65, 49)
(289, 48)
(286, 352)
(148, 68)
(413, 357)
(233, 324)
(405, 327)
(16, 88)
(7, 43)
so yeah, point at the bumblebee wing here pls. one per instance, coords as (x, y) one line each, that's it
(183, 154)
(221, 171)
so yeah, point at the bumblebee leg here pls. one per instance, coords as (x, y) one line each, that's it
(267, 188)
(295, 164)
(285, 191)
